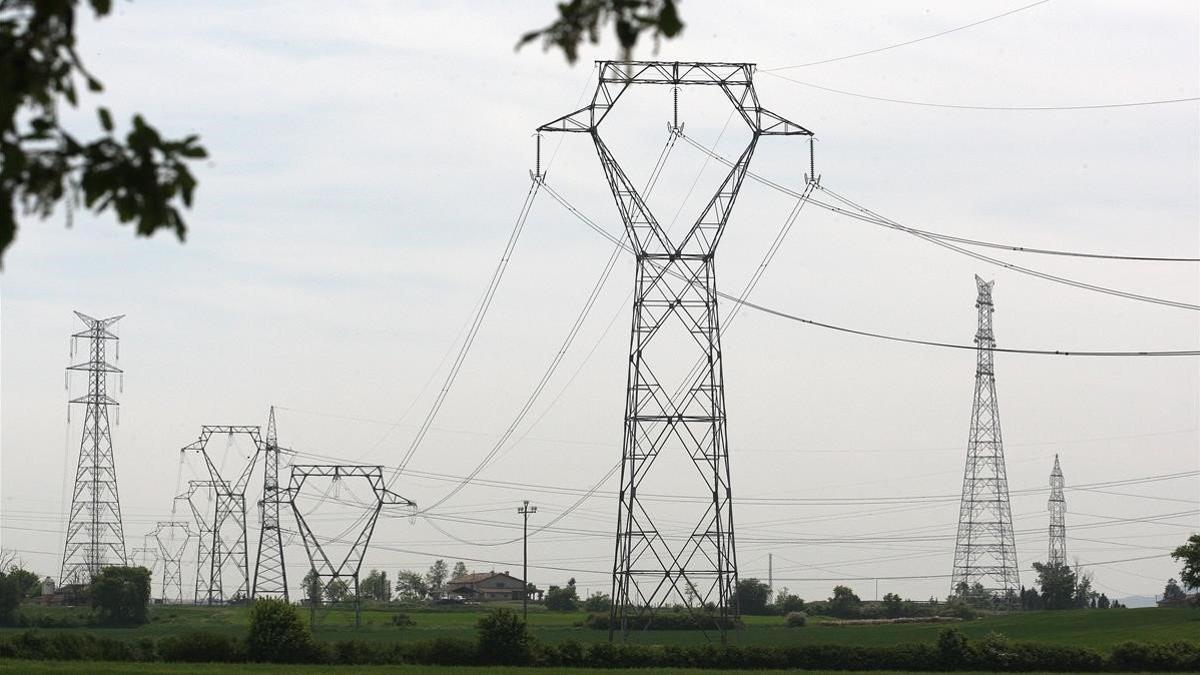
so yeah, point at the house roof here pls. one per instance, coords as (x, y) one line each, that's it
(479, 577)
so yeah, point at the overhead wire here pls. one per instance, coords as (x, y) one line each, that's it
(568, 340)
(908, 42)
(1008, 108)
(862, 213)
(554, 194)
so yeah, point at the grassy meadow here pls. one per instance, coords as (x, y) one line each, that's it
(1097, 629)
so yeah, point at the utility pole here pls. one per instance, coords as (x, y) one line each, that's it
(672, 413)
(525, 511)
(985, 552)
(95, 534)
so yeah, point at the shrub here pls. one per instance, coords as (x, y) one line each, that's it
(1179, 656)
(597, 602)
(952, 647)
(562, 599)
(797, 619)
(199, 647)
(444, 652)
(121, 595)
(278, 634)
(401, 619)
(667, 620)
(503, 638)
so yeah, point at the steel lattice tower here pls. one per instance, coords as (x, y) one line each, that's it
(171, 551)
(270, 573)
(229, 549)
(675, 292)
(1058, 517)
(985, 552)
(95, 534)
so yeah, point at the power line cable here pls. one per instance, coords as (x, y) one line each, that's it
(864, 333)
(859, 212)
(1010, 108)
(572, 333)
(908, 42)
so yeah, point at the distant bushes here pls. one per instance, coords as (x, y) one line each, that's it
(797, 619)
(666, 620)
(952, 651)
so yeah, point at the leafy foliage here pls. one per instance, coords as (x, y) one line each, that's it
(277, 633)
(312, 587)
(584, 19)
(562, 599)
(10, 596)
(1189, 554)
(376, 586)
(786, 601)
(1173, 594)
(597, 602)
(121, 595)
(752, 595)
(436, 577)
(797, 619)
(503, 638)
(460, 570)
(1058, 584)
(142, 178)
(411, 586)
(844, 603)
(337, 590)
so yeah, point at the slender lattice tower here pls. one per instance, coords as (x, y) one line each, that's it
(985, 555)
(1058, 517)
(270, 573)
(95, 535)
(171, 547)
(675, 424)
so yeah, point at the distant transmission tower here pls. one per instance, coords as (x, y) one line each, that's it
(1058, 517)
(270, 573)
(679, 410)
(985, 555)
(95, 535)
(170, 552)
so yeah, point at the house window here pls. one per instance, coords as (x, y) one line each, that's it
(500, 584)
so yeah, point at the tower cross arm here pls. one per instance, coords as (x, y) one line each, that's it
(580, 121)
(770, 124)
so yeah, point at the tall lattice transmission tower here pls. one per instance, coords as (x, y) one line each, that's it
(985, 555)
(270, 573)
(95, 535)
(1058, 517)
(675, 392)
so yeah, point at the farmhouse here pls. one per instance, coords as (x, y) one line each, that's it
(485, 586)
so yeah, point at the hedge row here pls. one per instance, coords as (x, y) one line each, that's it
(952, 652)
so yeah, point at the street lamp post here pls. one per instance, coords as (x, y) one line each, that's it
(525, 511)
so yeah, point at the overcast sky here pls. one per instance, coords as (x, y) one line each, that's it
(366, 168)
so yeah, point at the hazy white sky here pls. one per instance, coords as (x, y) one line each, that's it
(366, 168)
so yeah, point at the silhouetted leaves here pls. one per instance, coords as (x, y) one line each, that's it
(583, 19)
(140, 178)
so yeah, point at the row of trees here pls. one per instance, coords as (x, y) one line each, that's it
(408, 585)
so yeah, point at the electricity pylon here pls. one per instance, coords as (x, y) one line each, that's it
(1058, 517)
(985, 553)
(228, 527)
(684, 415)
(95, 534)
(170, 552)
(329, 570)
(270, 572)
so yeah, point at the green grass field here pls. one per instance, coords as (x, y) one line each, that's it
(1098, 629)
(10, 666)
